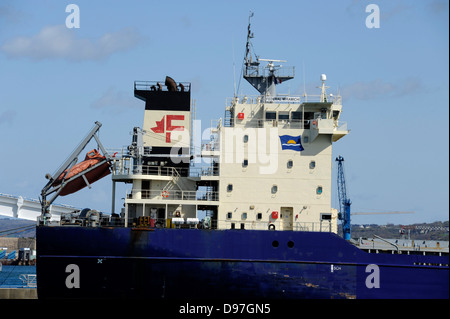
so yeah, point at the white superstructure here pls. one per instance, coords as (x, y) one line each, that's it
(275, 164)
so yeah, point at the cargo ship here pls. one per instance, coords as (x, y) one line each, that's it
(243, 213)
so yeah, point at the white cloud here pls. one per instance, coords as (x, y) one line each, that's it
(60, 42)
(379, 89)
(438, 6)
(115, 100)
(7, 116)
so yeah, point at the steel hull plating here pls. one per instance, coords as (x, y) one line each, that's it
(189, 264)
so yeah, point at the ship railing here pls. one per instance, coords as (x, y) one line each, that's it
(283, 99)
(117, 152)
(199, 195)
(294, 124)
(258, 71)
(265, 225)
(203, 171)
(186, 222)
(211, 146)
(28, 280)
(304, 124)
(163, 171)
(149, 222)
(313, 226)
(328, 124)
(173, 221)
(341, 126)
(122, 167)
(160, 86)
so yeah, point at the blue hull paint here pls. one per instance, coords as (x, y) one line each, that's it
(191, 263)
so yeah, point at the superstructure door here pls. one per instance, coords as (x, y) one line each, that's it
(287, 218)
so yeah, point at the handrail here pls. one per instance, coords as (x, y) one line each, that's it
(28, 280)
(122, 167)
(154, 85)
(173, 195)
(196, 222)
(283, 99)
(396, 247)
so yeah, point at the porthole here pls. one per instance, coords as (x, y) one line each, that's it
(319, 190)
(274, 189)
(290, 164)
(275, 243)
(290, 244)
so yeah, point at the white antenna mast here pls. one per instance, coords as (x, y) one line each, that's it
(304, 80)
(234, 68)
(323, 95)
(265, 78)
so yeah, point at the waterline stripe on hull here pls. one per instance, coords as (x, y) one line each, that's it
(245, 260)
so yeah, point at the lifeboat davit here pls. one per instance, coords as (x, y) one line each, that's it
(92, 158)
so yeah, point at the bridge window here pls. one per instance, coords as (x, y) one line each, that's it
(283, 115)
(296, 116)
(271, 115)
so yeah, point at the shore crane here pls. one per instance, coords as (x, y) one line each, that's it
(344, 201)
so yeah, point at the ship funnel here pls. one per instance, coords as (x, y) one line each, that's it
(170, 84)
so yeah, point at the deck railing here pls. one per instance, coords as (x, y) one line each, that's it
(198, 195)
(28, 280)
(195, 223)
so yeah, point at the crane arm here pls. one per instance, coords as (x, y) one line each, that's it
(55, 188)
(344, 202)
(379, 213)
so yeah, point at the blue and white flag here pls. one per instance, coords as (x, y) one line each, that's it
(289, 142)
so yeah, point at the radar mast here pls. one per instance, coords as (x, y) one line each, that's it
(264, 78)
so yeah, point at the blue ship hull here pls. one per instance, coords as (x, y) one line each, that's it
(191, 264)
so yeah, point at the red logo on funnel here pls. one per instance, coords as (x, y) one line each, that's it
(159, 128)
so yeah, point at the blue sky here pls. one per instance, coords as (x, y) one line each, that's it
(56, 82)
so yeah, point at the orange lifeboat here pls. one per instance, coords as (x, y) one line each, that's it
(92, 158)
